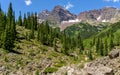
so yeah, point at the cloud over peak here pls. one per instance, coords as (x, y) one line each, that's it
(68, 6)
(28, 2)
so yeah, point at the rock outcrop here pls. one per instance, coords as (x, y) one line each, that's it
(109, 65)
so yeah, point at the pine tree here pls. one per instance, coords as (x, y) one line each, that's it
(90, 55)
(80, 43)
(101, 48)
(111, 45)
(25, 21)
(35, 21)
(32, 36)
(2, 21)
(97, 45)
(28, 21)
(106, 48)
(54, 44)
(8, 37)
(20, 19)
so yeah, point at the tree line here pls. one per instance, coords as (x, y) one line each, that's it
(48, 35)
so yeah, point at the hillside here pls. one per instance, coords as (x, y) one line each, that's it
(85, 29)
(29, 57)
(29, 46)
(32, 57)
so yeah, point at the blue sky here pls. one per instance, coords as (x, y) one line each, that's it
(75, 6)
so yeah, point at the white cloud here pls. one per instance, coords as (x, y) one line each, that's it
(68, 6)
(116, 0)
(112, 1)
(28, 2)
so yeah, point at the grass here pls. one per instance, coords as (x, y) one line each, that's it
(50, 70)
(33, 56)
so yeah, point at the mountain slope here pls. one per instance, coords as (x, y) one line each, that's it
(57, 15)
(106, 14)
(86, 30)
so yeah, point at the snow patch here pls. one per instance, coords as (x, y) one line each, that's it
(98, 18)
(71, 21)
(105, 20)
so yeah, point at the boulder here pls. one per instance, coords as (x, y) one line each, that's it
(98, 71)
(114, 54)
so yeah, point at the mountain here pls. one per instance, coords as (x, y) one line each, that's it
(106, 14)
(64, 17)
(57, 15)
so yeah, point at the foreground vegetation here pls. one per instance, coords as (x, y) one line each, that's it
(28, 46)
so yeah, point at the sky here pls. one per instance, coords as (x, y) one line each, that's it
(74, 6)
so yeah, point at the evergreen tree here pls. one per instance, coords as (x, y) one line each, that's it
(111, 45)
(20, 19)
(80, 43)
(25, 21)
(2, 21)
(32, 27)
(101, 48)
(28, 21)
(106, 48)
(54, 44)
(97, 45)
(8, 37)
(35, 22)
(90, 55)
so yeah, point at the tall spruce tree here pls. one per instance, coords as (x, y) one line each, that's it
(54, 44)
(80, 43)
(25, 21)
(111, 45)
(106, 48)
(101, 48)
(20, 19)
(35, 21)
(32, 27)
(97, 45)
(2, 21)
(8, 37)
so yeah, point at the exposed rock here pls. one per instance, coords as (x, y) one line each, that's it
(102, 70)
(101, 66)
(57, 15)
(106, 14)
(114, 53)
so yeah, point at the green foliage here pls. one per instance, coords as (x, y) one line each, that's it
(20, 19)
(54, 44)
(86, 30)
(90, 55)
(37, 72)
(60, 64)
(9, 35)
(50, 70)
(46, 34)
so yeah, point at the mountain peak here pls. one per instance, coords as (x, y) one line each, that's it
(58, 14)
(59, 7)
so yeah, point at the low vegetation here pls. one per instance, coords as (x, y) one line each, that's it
(30, 47)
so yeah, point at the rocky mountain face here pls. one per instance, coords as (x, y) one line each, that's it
(109, 65)
(107, 14)
(95, 17)
(60, 16)
(57, 15)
